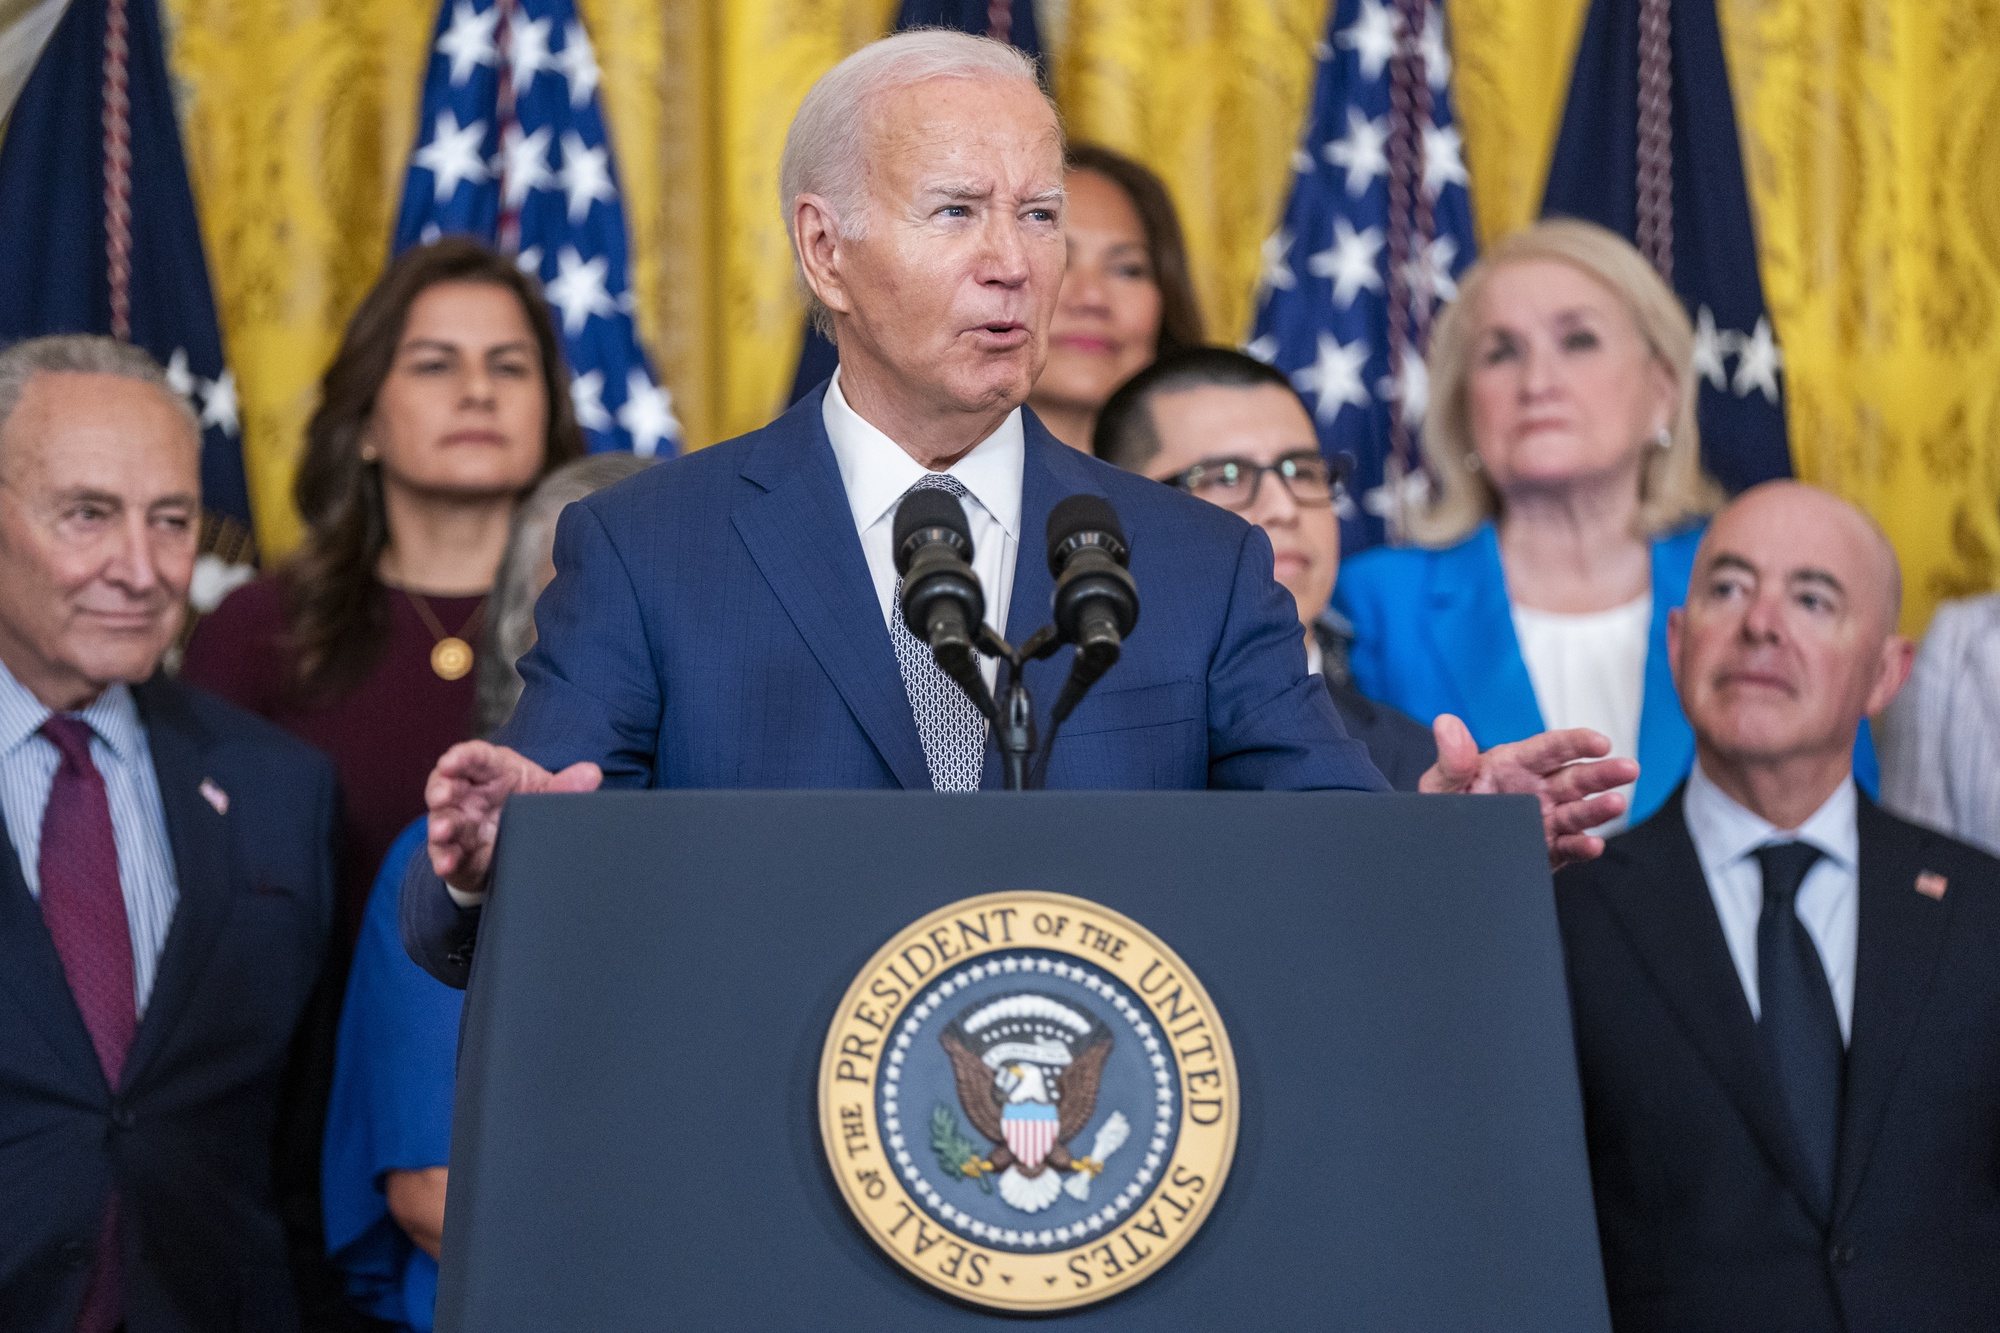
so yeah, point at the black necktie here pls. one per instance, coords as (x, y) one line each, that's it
(1801, 1029)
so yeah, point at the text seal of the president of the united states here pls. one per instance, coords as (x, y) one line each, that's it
(1029, 1101)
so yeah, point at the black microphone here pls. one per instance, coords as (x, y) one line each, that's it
(943, 603)
(1096, 601)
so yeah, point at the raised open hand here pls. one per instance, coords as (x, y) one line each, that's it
(1564, 770)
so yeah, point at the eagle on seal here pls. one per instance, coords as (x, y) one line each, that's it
(1027, 1067)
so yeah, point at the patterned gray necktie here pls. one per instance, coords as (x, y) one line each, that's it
(953, 732)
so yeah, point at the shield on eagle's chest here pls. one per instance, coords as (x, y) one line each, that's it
(1031, 1131)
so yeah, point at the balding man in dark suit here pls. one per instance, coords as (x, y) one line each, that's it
(1785, 998)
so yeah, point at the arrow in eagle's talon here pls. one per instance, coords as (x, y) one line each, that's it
(1110, 1138)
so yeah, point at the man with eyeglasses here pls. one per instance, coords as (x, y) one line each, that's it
(1229, 429)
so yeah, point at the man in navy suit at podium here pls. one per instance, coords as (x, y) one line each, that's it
(1785, 997)
(728, 619)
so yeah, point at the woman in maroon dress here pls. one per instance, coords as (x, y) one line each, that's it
(446, 402)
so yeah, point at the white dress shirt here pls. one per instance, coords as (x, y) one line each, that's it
(1726, 837)
(875, 471)
(122, 757)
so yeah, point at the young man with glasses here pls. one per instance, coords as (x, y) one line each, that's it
(1229, 429)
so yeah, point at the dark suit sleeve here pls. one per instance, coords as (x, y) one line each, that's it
(590, 688)
(1270, 724)
(1402, 750)
(437, 933)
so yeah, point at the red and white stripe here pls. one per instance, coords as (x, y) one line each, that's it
(1030, 1139)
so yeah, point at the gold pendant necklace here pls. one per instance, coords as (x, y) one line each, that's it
(451, 655)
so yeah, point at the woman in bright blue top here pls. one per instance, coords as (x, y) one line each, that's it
(390, 1114)
(388, 1124)
(1570, 501)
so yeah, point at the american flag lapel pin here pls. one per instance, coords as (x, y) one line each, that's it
(219, 798)
(1932, 885)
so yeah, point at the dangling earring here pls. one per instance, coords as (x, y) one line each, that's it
(368, 454)
(1661, 439)
(1472, 463)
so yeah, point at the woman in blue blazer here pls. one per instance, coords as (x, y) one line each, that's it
(1569, 504)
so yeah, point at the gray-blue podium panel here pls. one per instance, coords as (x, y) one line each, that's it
(637, 1144)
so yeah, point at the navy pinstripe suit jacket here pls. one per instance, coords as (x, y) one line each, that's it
(713, 624)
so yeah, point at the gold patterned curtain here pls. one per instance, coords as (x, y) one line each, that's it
(1870, 134)
(1872, 140)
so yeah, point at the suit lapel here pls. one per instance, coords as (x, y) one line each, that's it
(1900, 936)
(200, 837)
(1670, 919)
(1472, 638)
(801, 534)
(32, 970)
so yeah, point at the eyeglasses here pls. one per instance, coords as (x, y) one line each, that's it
(1308, 476)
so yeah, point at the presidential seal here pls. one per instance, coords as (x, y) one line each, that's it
(1028, 1101)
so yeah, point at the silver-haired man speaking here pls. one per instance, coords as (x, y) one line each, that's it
(729, 620)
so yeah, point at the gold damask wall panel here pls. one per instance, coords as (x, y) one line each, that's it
(1510, 75)
(297, 120)
(697, 97)
(1872, 138)
(1211, 94)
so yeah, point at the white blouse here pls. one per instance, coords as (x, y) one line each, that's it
(1589, 670)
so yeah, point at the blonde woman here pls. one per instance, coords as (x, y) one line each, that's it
(1570, 501)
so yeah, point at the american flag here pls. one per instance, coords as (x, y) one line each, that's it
(1649, 148)
(1378, 228)
(511, 149)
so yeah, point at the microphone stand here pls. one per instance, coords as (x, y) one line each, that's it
(1012, 717)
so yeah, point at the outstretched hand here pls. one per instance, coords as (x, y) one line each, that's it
(467, 788)
(1565, 771)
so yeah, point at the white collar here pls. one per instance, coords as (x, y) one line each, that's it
(876, 471)
(1725, 832)
(113, 715)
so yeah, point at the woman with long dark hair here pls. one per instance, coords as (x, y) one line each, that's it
(446, 402)
(1126, 297)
